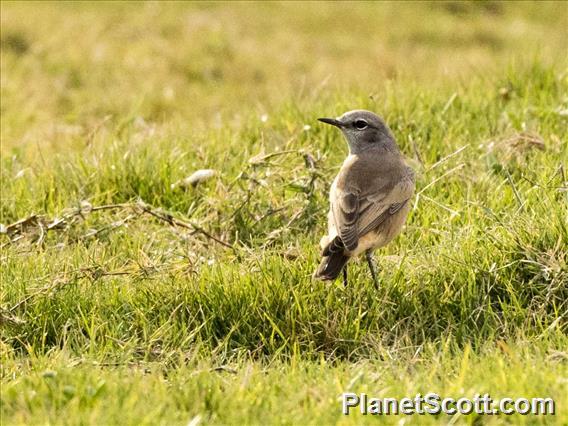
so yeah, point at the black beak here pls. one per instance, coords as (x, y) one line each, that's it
(332, 121)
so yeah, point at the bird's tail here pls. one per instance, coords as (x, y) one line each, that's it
(331, 266)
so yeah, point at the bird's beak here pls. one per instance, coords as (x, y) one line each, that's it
(332, 121)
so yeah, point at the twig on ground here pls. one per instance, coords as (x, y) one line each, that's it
(166, 217)
(92, 272)
(16, 230)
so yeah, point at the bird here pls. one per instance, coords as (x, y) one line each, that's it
(369, 198)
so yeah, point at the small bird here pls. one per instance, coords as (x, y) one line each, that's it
(370, 196)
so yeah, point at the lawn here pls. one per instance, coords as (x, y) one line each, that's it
(130, 296)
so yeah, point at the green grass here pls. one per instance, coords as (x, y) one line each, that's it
(114, 316)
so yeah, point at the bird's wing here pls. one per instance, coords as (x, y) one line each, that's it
(355, 216)
(377, 214)
(346, 216)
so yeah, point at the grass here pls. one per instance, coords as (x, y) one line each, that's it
(177, 304)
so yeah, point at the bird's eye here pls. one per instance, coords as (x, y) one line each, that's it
(360, 124)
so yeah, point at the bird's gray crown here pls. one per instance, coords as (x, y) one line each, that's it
(363, 130)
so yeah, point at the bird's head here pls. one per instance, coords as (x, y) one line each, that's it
(363, 130)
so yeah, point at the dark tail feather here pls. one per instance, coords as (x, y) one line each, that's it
(331, 266)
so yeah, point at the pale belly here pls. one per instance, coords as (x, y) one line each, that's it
(331, 231)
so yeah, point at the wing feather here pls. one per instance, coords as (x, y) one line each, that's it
(356, 216)
(346, 215)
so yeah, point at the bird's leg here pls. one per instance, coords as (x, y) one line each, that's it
(371, 263)
(345, 275)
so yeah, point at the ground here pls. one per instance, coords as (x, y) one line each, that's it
(130, 296)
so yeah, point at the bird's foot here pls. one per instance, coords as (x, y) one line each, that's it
(371, 263)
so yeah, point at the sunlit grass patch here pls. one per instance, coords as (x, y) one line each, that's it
(130, 295)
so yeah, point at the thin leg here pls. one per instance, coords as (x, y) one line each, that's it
(345, 275)
(371, 263)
